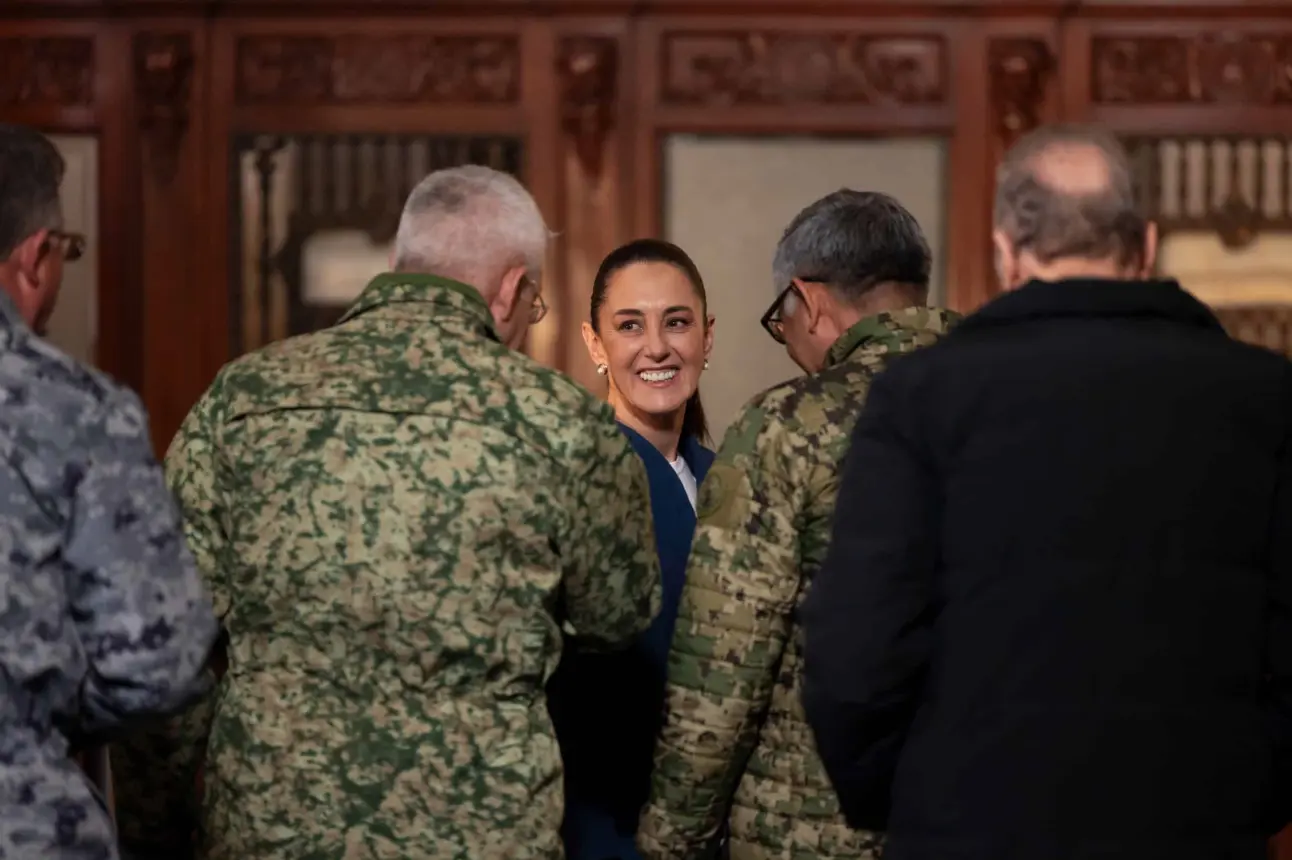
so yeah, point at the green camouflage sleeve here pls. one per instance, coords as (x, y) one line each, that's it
(742, 582)
(156, 769)
(612, 578)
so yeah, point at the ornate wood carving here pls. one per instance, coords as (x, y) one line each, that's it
(164, 82)
(769, 68)
(47, 70)
(1269, 326)
(370, 68)
(1020, 69)
(588, 70)
(1226, 68)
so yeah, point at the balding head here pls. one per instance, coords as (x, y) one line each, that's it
(1065, 207)
(479, 226)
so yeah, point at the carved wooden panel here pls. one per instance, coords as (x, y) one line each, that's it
(1269, 326)
(1236, 187)
(587, 69)
(163, 85)
(1019, 69)
(774, 68)
(47, 70)
(376, 68)
(1227, 68)
(290, 190)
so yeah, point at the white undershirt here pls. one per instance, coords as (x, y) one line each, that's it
(688, 480)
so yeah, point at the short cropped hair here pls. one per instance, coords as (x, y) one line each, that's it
(470, 221)
(1040, 216)
(31, 171)
(854, 241)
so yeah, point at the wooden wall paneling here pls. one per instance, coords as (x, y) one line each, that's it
(221, 103)
(595, 121)
(169, 64)
(48, 74)
(830, 76)
(72, 77)
(968, 236)
(120, 335)
(1008, 86)
(541, 102)
(1191, 75)
(379, 74)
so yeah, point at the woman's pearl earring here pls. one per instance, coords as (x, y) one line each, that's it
(706, 364)
(602, 370)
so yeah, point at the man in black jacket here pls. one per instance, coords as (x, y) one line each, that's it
(1056, 616)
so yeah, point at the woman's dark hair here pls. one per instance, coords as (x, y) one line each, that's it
(656, 251)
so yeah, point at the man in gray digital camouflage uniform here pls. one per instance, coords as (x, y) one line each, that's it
(104, 614)
(852, 271)
(397, 515)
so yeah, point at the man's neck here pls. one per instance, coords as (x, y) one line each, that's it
(1076, 269)
(8, 277)
(884, 298)
(664, 432)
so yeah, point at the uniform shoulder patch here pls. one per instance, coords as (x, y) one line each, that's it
(720, 495)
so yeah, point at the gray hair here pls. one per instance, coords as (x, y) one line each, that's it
(854, 241)
(470, 223)
(1046, 211)
(31, 171)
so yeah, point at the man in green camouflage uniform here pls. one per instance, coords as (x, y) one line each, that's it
(397, 515)
(853, 270)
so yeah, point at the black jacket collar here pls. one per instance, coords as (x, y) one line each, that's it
(1094, 298)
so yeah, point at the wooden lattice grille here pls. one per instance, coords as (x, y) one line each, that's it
(1269, 326)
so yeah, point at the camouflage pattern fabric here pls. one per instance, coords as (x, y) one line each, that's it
(105, 616)
(735, 746)
(397, 515)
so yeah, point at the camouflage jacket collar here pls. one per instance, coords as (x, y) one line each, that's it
(446, 295)
(892, 331)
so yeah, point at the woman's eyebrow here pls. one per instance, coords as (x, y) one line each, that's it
(634, 312)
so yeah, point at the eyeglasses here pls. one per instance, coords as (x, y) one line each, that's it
(538, 309)
(70, 245)
(771, 320)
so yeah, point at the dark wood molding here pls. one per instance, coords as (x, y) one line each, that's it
(311, 9)
(1019, 69)
(1225, 67)
(163, 91)
(587, 69)
(361, 68)
(768, 67)
(46, 71)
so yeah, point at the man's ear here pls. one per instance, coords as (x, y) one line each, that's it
(29, 254)
(506, 301)
(1150, 250)
(813, 301)
(596, 350)
(1006, 260)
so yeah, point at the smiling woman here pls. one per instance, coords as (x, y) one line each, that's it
(650, 334)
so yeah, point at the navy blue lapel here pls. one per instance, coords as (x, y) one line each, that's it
(666, 491)
(698, 458)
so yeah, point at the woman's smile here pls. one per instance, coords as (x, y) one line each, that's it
(660, 377)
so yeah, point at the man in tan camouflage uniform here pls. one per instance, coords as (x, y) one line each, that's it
(397, 515)
(853, 272)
